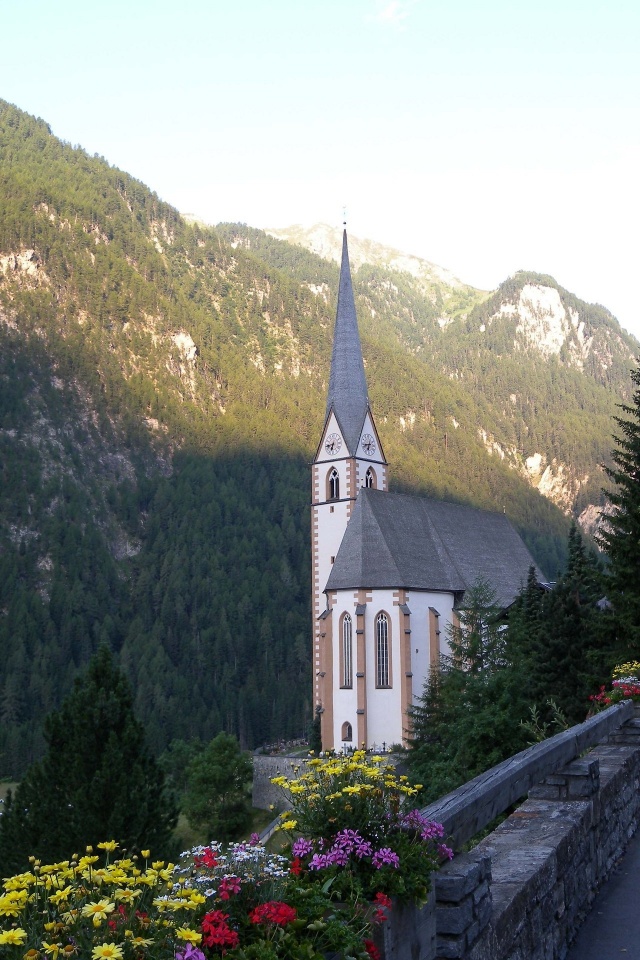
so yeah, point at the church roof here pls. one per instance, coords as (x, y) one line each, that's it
(393, 540)
(348, 395)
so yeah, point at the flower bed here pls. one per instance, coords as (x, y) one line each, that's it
(625, 685)
(325, 898)
(240, 902)
(357, 830)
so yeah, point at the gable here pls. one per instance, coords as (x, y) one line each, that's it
(369, 431)
(332, 430)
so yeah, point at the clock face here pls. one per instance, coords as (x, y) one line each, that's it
(333, 443)
(368, 444)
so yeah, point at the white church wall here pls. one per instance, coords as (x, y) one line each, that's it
(420, 604)
(386, 721)
(384, 705)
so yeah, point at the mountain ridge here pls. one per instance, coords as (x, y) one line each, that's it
(163, 390)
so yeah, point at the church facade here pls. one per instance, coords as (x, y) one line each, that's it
(389, 570)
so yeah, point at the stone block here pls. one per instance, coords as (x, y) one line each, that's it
(480, 892)
(457, 879)
(580, 787)
(409, 933)
(450, 948)
(454, 919)
(483, 912)
(558, 899)
(544, 791)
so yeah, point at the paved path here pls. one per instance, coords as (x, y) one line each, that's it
(612, 929)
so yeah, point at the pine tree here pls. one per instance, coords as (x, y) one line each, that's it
(564, 638)
(468, 718)
(621, 535)
(97, 780)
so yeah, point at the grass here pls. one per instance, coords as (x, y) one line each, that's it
(5, 786)
(186, 836)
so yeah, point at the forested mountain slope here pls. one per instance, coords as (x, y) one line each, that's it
(162, 390)
(550, 365)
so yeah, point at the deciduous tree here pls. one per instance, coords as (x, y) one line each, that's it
(216, 796)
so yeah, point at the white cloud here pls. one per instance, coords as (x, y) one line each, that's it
(394, 12)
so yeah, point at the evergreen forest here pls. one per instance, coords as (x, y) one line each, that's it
(162, 392)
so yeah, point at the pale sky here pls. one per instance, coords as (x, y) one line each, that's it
(484, 135)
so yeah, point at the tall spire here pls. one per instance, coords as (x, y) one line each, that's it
(348, 397)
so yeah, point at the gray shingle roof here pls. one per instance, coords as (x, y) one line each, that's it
(395, 540)
(348, 395)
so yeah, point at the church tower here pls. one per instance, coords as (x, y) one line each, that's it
(348, 457)
(390, 571)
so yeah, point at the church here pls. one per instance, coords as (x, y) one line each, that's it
(389, 571)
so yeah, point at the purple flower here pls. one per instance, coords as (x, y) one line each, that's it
(190, 953)
(385, 856)
(364, 849)
(414, 819)
(432, 831)
(338, 857)
(347, 839)
(445, 852)
(319, 861)
(302, 848)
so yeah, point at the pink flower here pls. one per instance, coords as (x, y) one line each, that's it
(385, 857)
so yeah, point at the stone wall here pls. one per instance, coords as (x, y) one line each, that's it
(265, 794)
(523, 891)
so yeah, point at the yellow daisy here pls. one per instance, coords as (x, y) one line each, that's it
(107, 951)
(53, 949)
(128, 896)
(191, 936)
(98, 910)
(108, 845)
(16, 937)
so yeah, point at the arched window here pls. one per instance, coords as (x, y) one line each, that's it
(382, 650)
(347, 651)
(347, 731)
(333, 484)
(370, 478)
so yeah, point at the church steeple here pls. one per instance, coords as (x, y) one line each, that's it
(348, 397)
(349, 457)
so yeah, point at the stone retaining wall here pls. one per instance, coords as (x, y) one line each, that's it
(265, 794)
(522, 893)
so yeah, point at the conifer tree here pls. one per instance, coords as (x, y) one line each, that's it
(621, 535)
(468, 718)
(97, 780)
(562, 637)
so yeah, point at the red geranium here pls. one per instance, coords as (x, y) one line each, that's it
(296, 866)
(372, 950)
(280, 914)
(206, 859)
(216, 931)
